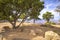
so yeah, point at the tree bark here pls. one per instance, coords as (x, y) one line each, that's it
(48, 21)
(14, 25)
(34, 21)
(23, 20)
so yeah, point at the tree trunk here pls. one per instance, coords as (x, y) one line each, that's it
(48, 21)
(14, 24)
(34, 21)
(21, 22)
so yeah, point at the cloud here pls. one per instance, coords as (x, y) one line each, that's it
(41, 0)
(50, 7)
(56, 15)
(42, 12)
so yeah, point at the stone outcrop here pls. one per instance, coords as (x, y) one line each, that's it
(50, 35)
(32, 32)
(38, 38)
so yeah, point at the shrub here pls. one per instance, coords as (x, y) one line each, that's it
(6, 28)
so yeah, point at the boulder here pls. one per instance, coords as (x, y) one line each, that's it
(38, 38)
(50, 35)
(32, 32)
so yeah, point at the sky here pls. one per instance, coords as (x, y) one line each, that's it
(50, 5)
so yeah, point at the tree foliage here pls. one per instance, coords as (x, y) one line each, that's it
(58, 11)
(47, 16)
(11, 10)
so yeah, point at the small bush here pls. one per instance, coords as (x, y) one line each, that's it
(6, 28)
(50, 23)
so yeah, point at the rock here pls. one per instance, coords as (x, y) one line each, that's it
(50, 35)
(39, 32)
(38, 38)
(32, 32)
(2, 38)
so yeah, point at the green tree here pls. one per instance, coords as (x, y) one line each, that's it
(35, 17)
(11, 10)
(36, 11)
(47, 16)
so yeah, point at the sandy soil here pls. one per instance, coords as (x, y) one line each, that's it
(24, 24)
(25, 34)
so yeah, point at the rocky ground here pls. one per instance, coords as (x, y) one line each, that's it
(29, 31)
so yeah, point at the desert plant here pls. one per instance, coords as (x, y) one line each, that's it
(47, 16)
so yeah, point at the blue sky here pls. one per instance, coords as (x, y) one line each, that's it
(50, 5)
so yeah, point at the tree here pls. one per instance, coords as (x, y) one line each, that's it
(34, 17)
(58, 10)
(36, 12)
(47, 16)
(11, 10)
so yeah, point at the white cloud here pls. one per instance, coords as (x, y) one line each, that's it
(56, 15)
(58, 3)
(41, 0)
(42, 12)
(52, 11)
(47, 6)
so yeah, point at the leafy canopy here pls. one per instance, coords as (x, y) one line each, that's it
(47, 16)
(11, 10)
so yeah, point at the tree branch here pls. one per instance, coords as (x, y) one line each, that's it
(23, 20)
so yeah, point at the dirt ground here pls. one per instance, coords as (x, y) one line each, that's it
(24, 24)
(26, 33)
